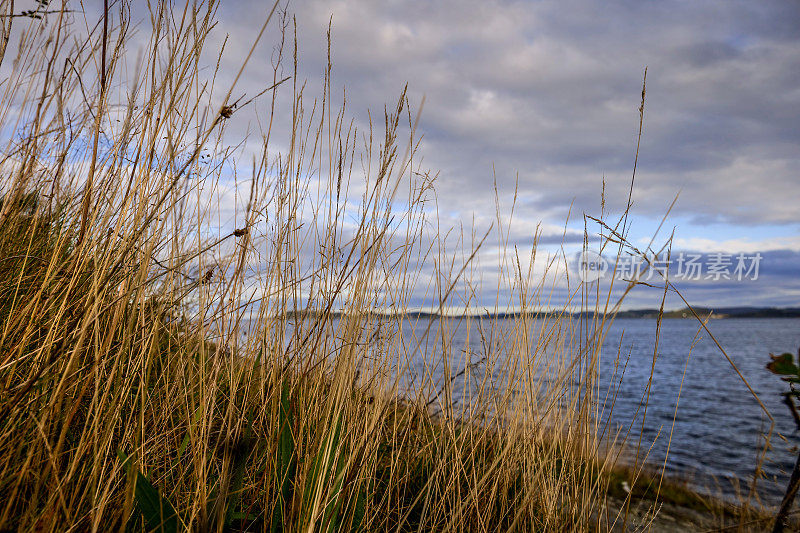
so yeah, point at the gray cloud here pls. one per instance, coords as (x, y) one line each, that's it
(544, 96)
(549, 90)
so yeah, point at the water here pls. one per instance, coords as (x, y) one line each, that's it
(719, 427)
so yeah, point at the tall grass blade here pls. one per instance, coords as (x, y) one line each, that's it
(158, 513)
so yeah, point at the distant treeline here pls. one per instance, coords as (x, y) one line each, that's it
(721, 312)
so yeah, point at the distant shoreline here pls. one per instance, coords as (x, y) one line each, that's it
(716, 313)
(722, 312)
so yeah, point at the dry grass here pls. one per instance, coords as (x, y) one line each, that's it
(127, 383)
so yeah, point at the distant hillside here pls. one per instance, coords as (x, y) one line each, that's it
(720, 312)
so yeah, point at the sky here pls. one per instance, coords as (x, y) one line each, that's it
(543, 96)
(538, 101)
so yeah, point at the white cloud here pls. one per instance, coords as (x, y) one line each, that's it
(737, 245)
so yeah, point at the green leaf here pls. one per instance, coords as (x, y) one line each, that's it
(244, 516)
(185, 441)
(324, 474)
(159, 514)
(359, 511)
(331, 515)
(783, 365)
(286, 461)
(234, 495)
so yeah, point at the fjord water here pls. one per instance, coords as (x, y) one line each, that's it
(719, 426)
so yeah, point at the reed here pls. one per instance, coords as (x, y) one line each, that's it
(162, 369)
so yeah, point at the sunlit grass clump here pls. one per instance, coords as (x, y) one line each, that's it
(166, 367)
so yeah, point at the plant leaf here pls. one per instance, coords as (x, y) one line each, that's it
(286, 460)
(159, 514)
(359, 511)
(782, 365)
(322, 474)
(234, 495)
(185, 441)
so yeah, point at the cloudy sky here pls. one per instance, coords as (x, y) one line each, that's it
(546, 93)
(542, 98)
